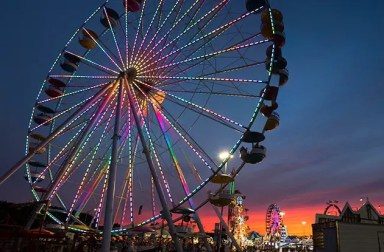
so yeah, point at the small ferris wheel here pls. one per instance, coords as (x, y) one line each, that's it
(275, 230)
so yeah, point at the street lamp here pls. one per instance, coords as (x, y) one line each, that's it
(304, 223)
(362, 198)
(224, 156)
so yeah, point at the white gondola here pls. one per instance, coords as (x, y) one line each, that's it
(256, 155)
(252, 137)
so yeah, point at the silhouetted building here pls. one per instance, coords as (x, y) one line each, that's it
(351, 231)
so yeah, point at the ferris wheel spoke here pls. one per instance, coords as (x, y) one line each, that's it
(158, 29)
(102, 47)
(92, 187)
(61, 202)
(197, 150)
(48, 139)
(101, 201)
(216, 9)
(197, 107)
(92, 183)
(72, 168)
(145, 54)
(178, 52)
(93, 64)
(102, 137)
(172, 153)
(206, 85)
(209, 58)
(67, 179)
(64, 150)
(128, 186)
(129, 195)
(66, 111)
(74, 93)
(186, 137)
(159, 165)
(161, 2)
(193, 40)
(153, 197)
(60, 155)
(126, 135)
(93, 151)
(168, 72)
(64, 169)
(140, 110)
(210, 55)
(243, 95)
(139, 27)
(232, 69)
(82, 76)
(125, 31)
(201, 79)
(114, 37)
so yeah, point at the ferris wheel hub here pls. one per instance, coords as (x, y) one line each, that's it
(130, 74)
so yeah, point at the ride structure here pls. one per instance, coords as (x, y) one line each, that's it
(122, 124)
(275, 229)
(332, 208)
(238, 218)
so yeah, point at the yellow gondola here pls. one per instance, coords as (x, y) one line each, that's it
(89, 38)
(222, 179)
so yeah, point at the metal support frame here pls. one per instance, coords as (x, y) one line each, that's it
(226, 229)
(186, 190)
(108, 213)
(165, 211)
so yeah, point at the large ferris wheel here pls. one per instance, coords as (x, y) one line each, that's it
(138, 102)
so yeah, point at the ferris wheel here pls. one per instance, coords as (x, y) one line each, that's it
(140, 100)
(275, 229)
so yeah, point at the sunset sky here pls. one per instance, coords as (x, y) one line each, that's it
(330, 142)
